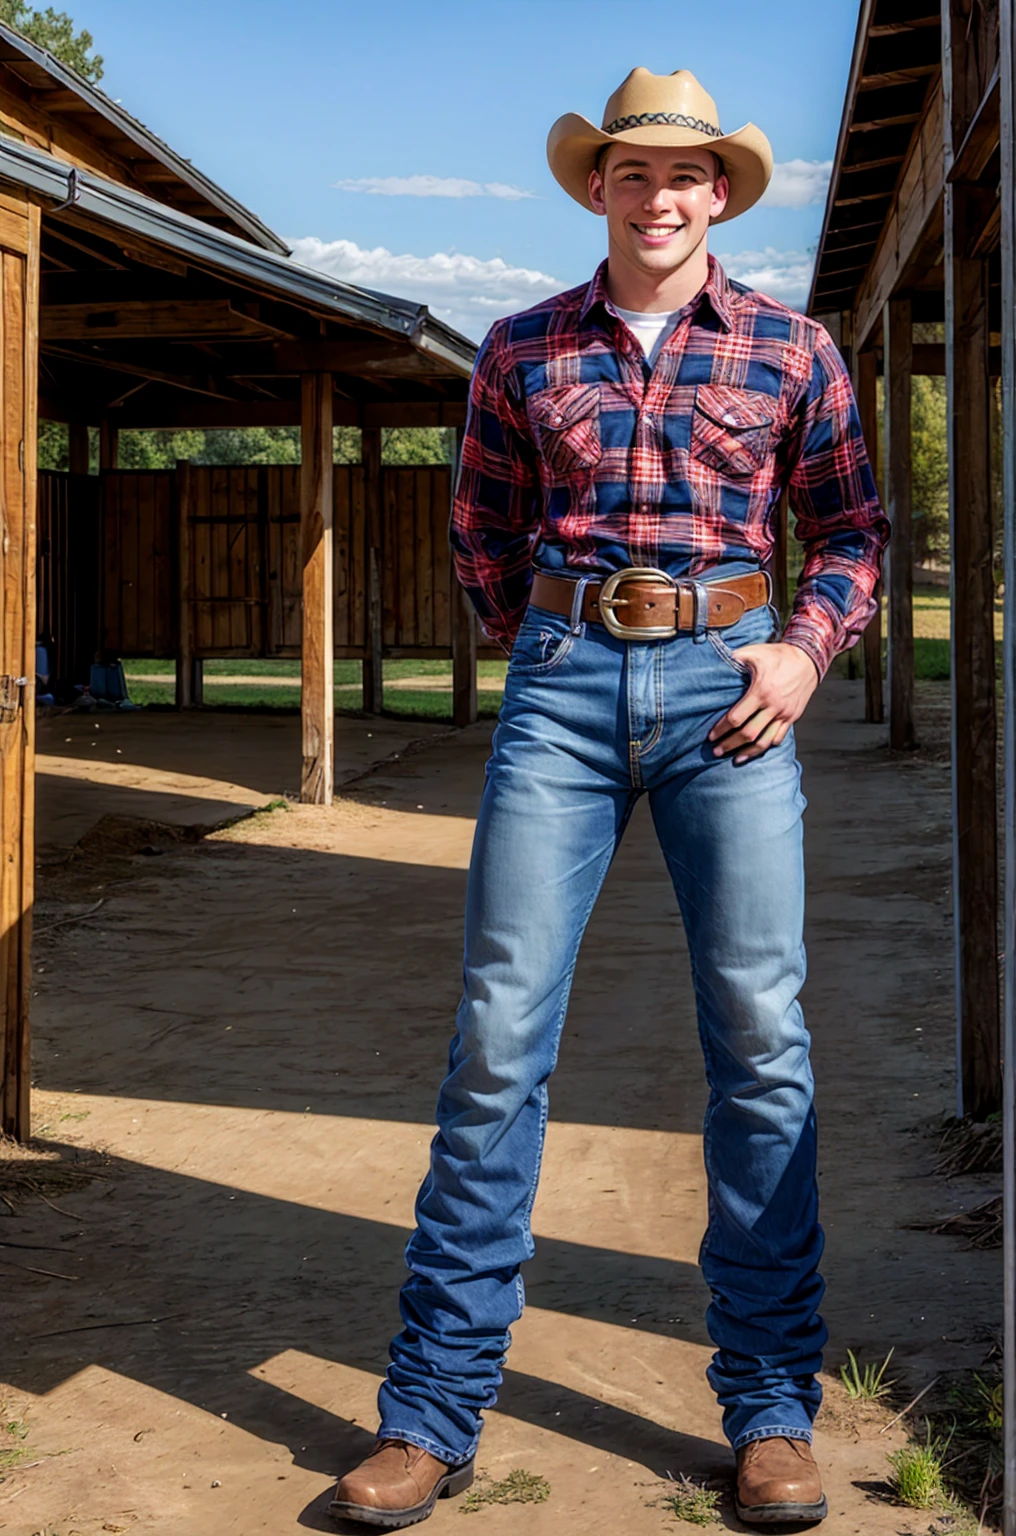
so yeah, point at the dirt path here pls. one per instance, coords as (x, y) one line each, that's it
(252, 1029)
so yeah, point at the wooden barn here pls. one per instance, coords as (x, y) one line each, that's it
(916, 274)
(135, 293)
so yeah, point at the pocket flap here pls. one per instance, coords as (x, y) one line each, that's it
(735, 410)
(560, 408)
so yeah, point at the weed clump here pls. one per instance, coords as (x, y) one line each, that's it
(915, 1473)
(867, 1384)
(692, 1502)
(519, 1487)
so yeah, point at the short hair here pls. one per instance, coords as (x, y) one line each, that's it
(605, 149)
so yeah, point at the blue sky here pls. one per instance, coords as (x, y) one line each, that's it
(300, 110)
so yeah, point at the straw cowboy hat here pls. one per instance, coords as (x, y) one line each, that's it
(672, 110)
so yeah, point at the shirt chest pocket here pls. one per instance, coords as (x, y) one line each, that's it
(731, 429)
(566, 425)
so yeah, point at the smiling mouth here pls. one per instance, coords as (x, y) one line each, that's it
(658, 230)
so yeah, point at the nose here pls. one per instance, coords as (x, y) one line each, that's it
(656, 201)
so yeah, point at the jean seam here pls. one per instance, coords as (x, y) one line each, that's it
(774, 1432)
(433, 1447)
(654, 736)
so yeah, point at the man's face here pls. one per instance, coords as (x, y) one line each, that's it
(657, 202)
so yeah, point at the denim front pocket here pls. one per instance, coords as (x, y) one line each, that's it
(757, 627)
(542, 642)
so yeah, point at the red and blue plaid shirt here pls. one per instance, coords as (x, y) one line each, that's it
(579, 459)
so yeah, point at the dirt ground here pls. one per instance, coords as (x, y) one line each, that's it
(250, 1029)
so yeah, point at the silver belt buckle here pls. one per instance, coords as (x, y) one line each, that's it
(640, 575)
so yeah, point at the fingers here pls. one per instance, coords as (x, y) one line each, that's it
(745, 735)
(770, 737)
(738, 714)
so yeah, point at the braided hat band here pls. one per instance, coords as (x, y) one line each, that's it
(673, 119)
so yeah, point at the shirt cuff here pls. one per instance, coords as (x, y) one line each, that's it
(815, 639)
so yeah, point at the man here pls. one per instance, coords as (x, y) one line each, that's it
(626, 445)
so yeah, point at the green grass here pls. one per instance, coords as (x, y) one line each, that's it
(867, 1383)
(915, 1473)
(692, 1502)
(519, 1487)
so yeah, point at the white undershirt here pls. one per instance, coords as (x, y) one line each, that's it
(650, 330)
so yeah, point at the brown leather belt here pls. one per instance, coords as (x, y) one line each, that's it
(652, 605)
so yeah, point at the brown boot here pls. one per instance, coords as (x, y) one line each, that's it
(397, 1485)
(778, 1483)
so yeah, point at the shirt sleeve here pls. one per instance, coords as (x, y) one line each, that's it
(840, 520)
(496, 510)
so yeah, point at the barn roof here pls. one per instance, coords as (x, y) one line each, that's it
(50, 92)
(895, 66)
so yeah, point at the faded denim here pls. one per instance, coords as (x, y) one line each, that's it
(588, 724)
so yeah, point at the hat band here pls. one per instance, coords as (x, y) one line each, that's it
(671, 119)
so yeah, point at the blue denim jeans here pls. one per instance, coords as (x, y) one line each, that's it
(588, 724)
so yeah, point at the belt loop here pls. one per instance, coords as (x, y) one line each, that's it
(700, 618)
(575, 618)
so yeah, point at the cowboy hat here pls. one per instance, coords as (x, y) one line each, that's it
(671, 110)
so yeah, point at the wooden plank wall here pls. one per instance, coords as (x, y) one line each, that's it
(245, 561)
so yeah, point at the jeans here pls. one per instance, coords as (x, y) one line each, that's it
(588, 724)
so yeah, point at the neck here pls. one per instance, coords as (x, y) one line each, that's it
(651, 293)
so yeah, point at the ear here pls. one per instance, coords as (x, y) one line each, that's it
(721, 192)
(596, 192)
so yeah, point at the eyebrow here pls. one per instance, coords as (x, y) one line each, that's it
(675, 165)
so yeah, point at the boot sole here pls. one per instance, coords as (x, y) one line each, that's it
(781, 1514)
(456, 1480)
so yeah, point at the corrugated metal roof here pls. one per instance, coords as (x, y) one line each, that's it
(65, 78)
(123, 208)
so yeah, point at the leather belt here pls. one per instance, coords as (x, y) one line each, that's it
(640, 603)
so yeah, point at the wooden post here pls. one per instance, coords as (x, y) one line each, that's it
(109, 444)
(972, 648)
(866, 390)
(184, 579)
(1007, 140)
(373, 666)
(464, 700)
(898, 343)
(318, 644)
(19, 341)
(78, 451)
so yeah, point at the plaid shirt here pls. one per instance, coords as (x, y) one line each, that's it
(578, 458)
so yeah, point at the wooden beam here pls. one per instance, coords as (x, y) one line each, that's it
(464, 690)
(109, 444)
(972, 647)
(178, 409)
(898, 342)
(1007, 142)
(391, 359)
(78, 448)
(145, 319)
(866, 390)
(981, 138)
(184, 586)
(317, 665)
(373, 673)
(894, 77)
(19, 299)
(199, 384)
(909, 220)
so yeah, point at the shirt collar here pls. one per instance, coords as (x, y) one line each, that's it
(717, 292)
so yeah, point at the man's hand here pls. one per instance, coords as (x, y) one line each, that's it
(783, 680)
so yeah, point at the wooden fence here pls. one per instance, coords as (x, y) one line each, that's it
(113, 549)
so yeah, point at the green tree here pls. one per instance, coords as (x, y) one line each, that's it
(54, 30)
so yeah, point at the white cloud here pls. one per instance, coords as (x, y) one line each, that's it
(783, 275)
(464, 291)
(430, 186)
(798, 183)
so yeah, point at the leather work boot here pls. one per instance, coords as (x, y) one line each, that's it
(778, 1483)
(397, 1485)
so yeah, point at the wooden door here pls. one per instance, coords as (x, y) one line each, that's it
(19, 330)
